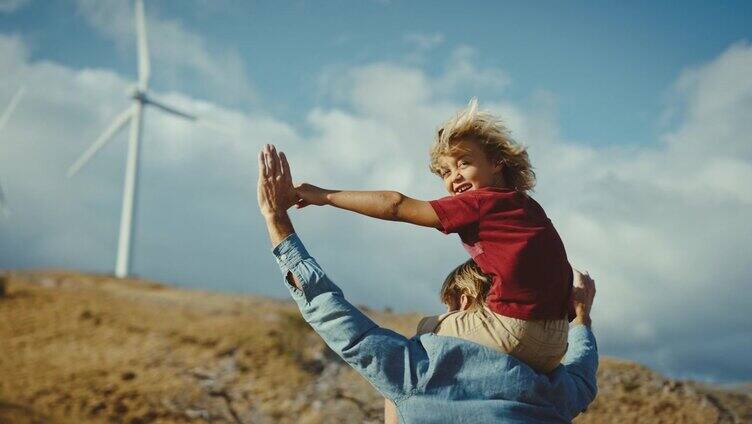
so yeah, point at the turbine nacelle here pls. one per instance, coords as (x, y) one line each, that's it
(139, 95)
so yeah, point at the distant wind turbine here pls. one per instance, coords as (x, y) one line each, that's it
(4, 120)
(132, 114)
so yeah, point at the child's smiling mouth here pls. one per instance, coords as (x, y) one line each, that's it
(462, 188)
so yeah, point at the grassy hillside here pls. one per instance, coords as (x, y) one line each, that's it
(86, 348)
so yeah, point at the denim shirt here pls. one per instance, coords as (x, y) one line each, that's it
(435, 379)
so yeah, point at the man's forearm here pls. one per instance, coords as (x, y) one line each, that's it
(279, 227)
(380, 355)
(376, 204)
(581, 365)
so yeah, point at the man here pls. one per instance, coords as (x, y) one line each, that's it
(429, 378)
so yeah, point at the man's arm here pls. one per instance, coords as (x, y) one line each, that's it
(581, 360)
(385, 358)
(387, 205)
(382, 356)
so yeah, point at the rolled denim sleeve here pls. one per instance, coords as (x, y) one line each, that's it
(386, 359)
(293, 258)
(581, 364)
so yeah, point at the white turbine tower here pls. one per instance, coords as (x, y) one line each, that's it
(132, 114)
(4, 120)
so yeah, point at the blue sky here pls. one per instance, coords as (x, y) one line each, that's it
(636, 116)
(610, 53)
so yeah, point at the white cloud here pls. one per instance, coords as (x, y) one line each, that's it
(177, 54)
(716, 98)
(15, 57)
(385, 89)
(462, 73)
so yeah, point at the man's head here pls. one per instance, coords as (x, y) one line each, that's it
(475, 150)
(465, 287)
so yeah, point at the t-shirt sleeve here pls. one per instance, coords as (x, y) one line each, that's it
(456, 212)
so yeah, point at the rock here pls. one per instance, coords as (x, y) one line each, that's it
(128, 375)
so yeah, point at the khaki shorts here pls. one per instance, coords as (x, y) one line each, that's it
(540, 344)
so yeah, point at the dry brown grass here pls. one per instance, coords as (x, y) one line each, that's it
(93, 347)
(86, 348)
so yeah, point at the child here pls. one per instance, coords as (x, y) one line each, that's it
(506, 232)
(464, 293)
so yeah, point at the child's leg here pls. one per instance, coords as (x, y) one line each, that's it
(543, 344)
(480, 325)
(540, 344)
(390, 412)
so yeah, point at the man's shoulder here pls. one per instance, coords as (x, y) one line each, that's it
(485, 372)
(462, 353)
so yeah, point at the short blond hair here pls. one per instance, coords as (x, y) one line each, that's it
(467, 279)
(495, 139)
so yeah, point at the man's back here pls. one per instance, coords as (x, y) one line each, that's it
(433, 378)
(484, 385)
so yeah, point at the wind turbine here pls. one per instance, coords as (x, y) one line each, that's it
(134, 115)
(3, 120)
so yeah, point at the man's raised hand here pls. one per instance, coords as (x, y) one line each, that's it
(583, 294)
(276, 192)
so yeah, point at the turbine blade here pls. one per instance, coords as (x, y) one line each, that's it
(170, 109)
(106, 136)
(144, 67)
(199, 121)
(11, 106)
(3, 204)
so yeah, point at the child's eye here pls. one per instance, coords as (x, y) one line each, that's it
(464, 163)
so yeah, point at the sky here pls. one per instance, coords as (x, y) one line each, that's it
(636, 116)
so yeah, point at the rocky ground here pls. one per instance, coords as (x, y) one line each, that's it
(84, 348)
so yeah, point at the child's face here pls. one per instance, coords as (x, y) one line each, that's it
(468, 168)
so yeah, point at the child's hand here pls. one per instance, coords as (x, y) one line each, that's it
(311, 195)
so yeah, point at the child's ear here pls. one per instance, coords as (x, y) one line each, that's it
(464, 302)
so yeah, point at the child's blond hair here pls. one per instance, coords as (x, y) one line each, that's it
(495, 140)
(467, 279)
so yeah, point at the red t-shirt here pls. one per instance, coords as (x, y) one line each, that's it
(512, 240)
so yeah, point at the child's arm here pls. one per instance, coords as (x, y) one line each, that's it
(388, 205)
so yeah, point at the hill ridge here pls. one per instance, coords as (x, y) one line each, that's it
(90, 348)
